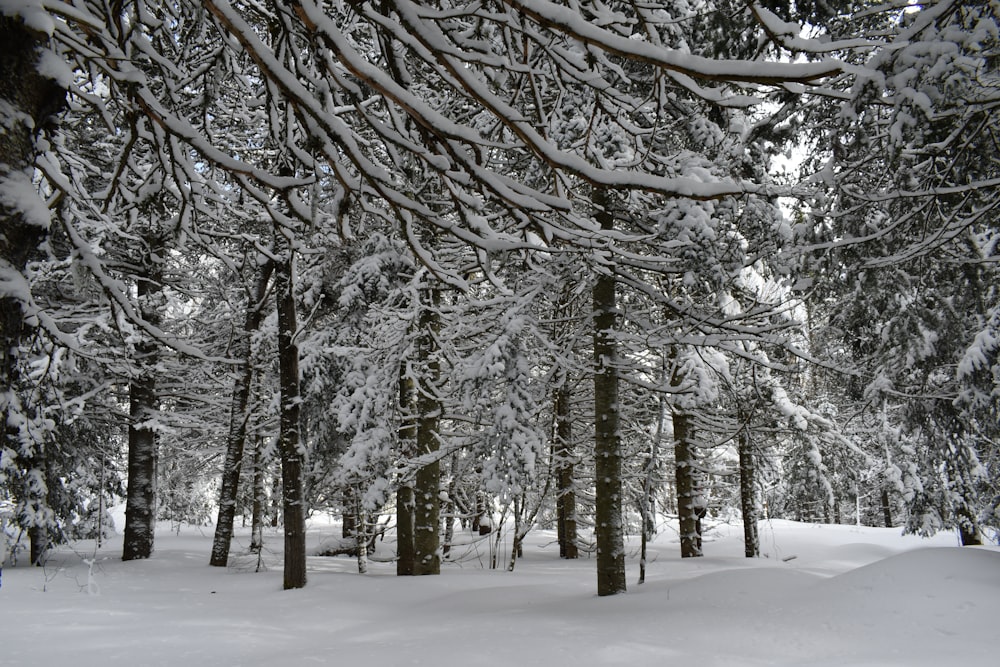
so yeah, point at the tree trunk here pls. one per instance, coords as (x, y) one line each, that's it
(886, 508)
(563, 462)
(748, 504)
(38, 540)
(450, 510)
(140, 502)
(968, 529)
(238, 418)
(276, 501)
(290, 444)
(607, 444)
(257, 519)
(349, 517)
(646, 502)
(520, 531)
(405, 502)
(360, 531)
(689, 508)
(427, 486)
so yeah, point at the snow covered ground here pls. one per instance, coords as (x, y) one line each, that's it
(824, 596)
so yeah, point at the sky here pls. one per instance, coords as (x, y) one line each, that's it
(820, 595)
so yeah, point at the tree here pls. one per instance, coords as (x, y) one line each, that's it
(471, 136)
(29, 98)
(239, 416)
(427, 480)
(609, 504)
(140, 507)
(902, 249)
(290, 443)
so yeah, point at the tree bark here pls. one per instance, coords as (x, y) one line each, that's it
(688, 506)
(647, 503)
(563, 460)
(257, 518)
(349, 517)
(405, 502)
(38, 541)
(360, 530)
(238, 418)
(968, 529)
(886, 508)
(289, 430)
(427, 485)
(607, 443)
(748, 504)
(449, 511)
(140, 502)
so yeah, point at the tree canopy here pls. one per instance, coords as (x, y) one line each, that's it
(405, 249)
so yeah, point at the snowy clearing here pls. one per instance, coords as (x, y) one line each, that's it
(825, 595)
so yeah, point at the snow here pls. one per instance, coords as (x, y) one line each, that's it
(32, 13)
(823, 596)
(18, 193)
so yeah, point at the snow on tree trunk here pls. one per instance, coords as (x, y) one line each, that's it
(563, 462)
(236, 437)
(607, 440)
(290, 444)
(427, 491)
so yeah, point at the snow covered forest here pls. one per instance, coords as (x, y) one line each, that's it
(589, 266)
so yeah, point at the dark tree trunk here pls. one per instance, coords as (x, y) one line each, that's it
(427, 519)
(563, 461)
(405, 503)
(290, 444)
(968, 529)
(482, 523)
(31, 99)
(276, 501)
(238, 417)
(405, 511)
(886, 508)
(38, 539)
(140, 502)
(349, 517)
(688, 506)
(427, 486)
(748, 504)
(607, 444)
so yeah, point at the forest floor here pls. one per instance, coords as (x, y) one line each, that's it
(820, 595)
